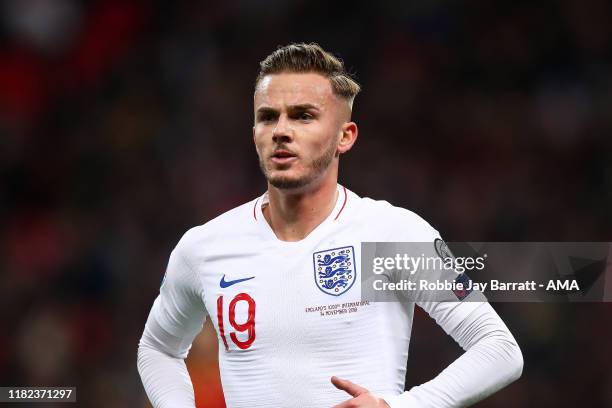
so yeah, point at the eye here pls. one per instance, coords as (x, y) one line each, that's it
(305, 116)
(266, 117)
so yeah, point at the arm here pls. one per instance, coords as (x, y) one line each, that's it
(175, 319)
(492, 359)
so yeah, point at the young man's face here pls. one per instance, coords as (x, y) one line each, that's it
(299, 123)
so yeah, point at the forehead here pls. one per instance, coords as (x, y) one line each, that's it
(294, 88)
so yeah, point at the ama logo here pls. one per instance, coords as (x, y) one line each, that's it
(335, 271)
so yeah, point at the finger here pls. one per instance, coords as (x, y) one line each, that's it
(345, 385)
(345, 404)
(353, 402)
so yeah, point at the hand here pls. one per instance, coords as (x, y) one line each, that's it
(362, 398)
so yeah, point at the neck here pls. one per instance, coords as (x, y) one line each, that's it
(293, 215)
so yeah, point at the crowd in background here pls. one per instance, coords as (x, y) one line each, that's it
(124, 123)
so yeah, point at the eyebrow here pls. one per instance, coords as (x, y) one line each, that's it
(302, 106)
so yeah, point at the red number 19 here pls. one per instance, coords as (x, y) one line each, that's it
(248, 326)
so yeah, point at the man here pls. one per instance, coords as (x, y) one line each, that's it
(286, 338)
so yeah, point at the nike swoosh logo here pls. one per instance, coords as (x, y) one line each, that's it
(225, 284)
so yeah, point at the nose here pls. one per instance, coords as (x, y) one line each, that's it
(282, 131)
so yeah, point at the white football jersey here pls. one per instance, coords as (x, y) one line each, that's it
(284, 326)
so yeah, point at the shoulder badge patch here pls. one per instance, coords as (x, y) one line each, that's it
(442, 249)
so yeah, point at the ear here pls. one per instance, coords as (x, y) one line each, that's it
(348, 137)
(253, 134)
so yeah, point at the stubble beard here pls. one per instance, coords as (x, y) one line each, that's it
(317, 166)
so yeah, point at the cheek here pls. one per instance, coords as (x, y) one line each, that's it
(325, 137)
(258, 138)
(258, 147)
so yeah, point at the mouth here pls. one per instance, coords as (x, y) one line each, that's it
(282, 156)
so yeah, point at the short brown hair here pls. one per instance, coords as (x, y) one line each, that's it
(311, 57)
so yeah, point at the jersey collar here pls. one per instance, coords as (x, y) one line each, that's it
(263, 200)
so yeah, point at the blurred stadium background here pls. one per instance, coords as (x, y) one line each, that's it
(124, 123)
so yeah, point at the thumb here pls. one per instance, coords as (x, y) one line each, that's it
(345, 385)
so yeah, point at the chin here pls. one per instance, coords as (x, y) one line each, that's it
(288, 183)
